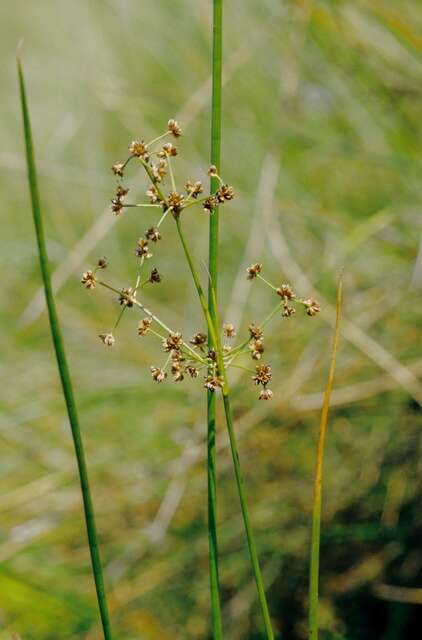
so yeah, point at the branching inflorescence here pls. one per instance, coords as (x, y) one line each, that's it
(186, 358)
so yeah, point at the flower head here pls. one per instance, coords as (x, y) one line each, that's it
(158, 374)
(138, 148)
(285, 291)
(143, 326)
(88, 279)
(174, 128)
(168, 150)
(102, 263)
(116, 205)
(152, 194)
(312, 307)
(263, 374)
(213, 382)
(154, 276)
(153, 234)
(142, 249)
(127, 297)
(229, 330)
(266, 394)
(210, 203)
(212, 171)
(173, 342)
(117, 169)
(198, 339)
(256, 348)
(225, 192)
(175, 201)
(255, 331)
(107, 338)
(253, 270)
(194, 188)
(177, 371)
(159, 170)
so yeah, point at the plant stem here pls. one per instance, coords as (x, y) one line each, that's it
(245, 512)
(62, 365)
(317, 500)
(215, 338)
(213, 270)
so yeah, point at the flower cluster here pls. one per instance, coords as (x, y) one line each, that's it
(185, 358)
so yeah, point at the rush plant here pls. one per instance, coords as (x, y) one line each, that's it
(209, 354)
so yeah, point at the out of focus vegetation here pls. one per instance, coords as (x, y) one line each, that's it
(322, 115)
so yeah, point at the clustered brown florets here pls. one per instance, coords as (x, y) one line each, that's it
(185, 359)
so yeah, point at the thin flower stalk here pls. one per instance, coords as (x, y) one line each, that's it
(63, 366)
(318, 479)
(215, 340)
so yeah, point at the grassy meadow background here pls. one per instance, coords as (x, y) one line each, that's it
(322, 112)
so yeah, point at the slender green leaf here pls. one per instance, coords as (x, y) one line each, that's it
(62, 363)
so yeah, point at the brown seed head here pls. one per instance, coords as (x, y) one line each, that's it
(152, 194)
(107, 338)
(173, 342)
(177, 371)
(263, 374)
(285, 291)
(142, 249)
(127, 297)
(175, 201)
(253, 270)
(154, 276)
(168, 150)
(198, 339)
(138, 148)
(194, 188)
(121, 191)
(225, 192)
(266, 394)
(88, 279)
(143, 326)
(212, 171)
(255, 331)
(312, 307)
(256, 348)
(102, 263)
(153, 234)
(174, 128)
(229, 330)
(158, 374)
(213, 382)
(210, 203)
(159, 170)
(116, 206)
(192, 371)
(117, 169)
(288, 311)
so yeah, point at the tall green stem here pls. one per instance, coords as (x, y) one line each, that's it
(216, 340)
(62, 365)
(213, 270)
(317, 501)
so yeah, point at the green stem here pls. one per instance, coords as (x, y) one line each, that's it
(62, 365)
(217, 58)
(216, 341)
(245, 513)
(317, 500)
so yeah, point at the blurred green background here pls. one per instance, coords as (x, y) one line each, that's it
(322, 142)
